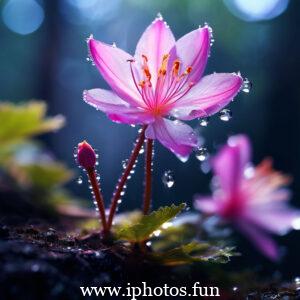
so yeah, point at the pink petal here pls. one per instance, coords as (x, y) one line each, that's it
(116, 109)
(206, 204)
(260, 239)
(208, 96)
(193, 50)
(113, 65)
(230, 162)
(174, 135)
(273, 217)
(156, 41)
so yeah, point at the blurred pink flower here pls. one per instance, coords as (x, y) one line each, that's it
(254, 200)
(163, 78)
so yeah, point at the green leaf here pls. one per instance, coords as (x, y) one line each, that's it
(43, 175)
(19, 122)
(144, 228)
(194, 252)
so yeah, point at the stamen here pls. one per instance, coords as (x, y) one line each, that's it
(176, 66)
(163, 68)
(142, 83)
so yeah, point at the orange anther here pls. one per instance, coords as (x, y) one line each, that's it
(176, 66)
(164, 64)
(142, 83)
(188, 70)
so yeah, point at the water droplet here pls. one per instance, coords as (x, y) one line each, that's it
(142, 150)
(183, 159)
(148, 244)
(122, 193)
(201, 153)
(119, 201)
(247, 85)
(204, 122)
(297, 280)
(166, 225)
(225, 115)
(98, 177)
(235, 288)
(132, 125)
(157, 232)
(114, 45)
(168, 179)
(124, 163)
(79, 180)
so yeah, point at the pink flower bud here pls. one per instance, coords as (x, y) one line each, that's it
(86, 156)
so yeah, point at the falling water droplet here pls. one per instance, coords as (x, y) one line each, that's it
(201, 153)
(142, 150)
(235, 288)
(204, 122)
(247, 85)
(168, 179)
(79, 180)
(225, 115)
(148, 244)
(124, 163)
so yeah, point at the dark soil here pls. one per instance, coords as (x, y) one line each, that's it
(39, 261)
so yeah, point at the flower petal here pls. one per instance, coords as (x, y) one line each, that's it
(115, 108)
(260, 239)
(156, 41)
(208, 96)
(206, 204)
(229, 164)
(174, 135)
(193, 50)
(113, 65)
(273, 217)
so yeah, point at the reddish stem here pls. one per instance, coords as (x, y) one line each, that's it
(124, 177)
(98, 197)
(148, 176)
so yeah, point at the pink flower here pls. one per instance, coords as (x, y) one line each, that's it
(163, 78)
(254, 200)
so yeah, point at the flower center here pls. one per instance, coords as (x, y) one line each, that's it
(171, 84)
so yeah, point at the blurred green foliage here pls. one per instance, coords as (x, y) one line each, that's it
(24, 164)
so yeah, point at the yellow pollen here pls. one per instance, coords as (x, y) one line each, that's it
(164, 64)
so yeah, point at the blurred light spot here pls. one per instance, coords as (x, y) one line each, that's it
(89, 11)
(296, 224)
(23, 16)
(256, 10)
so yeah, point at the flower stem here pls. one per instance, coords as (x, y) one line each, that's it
(124, 177)
(98, 197)
(148, 176)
